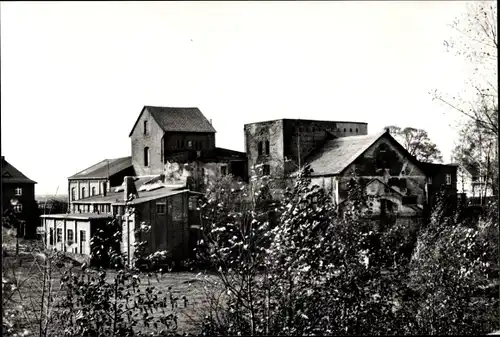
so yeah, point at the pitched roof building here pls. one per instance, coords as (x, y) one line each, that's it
(18, 197)
(177, 119)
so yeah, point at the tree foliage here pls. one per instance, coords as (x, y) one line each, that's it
(417, 143)
(321, 271)
(475, 40)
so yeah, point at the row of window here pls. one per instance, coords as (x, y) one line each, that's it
(198, 144)
(69, 236)
(314, 129)
(448, 179)
(102, 208)
(83, 193)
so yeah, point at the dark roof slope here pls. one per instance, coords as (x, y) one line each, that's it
(12, 175)
(337, 154)
(104, 168)
(432, 168)
(178, 119)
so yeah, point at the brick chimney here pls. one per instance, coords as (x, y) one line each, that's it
(128, 187)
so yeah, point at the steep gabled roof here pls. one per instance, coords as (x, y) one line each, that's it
(105, 168)
(12, 175)
(337, 154)
(178, 119)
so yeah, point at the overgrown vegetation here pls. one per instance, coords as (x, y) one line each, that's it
(299, 267)
(318, 271)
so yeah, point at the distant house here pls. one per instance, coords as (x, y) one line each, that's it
(99, 178)
(18, 195)
(474, 184)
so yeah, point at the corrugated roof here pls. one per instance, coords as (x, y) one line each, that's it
(78, 216)
(144, 196)
(100, 170)
(12, 175)
(337, 154)
(178, 119)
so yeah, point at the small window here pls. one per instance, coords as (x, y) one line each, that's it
(160, 207)
(190, 144)
(145, 127)
(260, 148)
(345, 130)
(83, 236)
(19, 191)
(93, 191)
(73, 194)
(356, 130)
(266, 170)
(70, 235)
(146, 156)
(108, 208)
(267, 147)
(448, 179)
(192, 203)
(51, 236)
(83, 192)
(18, 208)
(115, 210)
(350, 130)
(59, 235)
(223, 170)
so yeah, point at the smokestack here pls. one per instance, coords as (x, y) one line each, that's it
(128, 187)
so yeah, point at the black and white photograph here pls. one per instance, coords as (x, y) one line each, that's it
(249, 168)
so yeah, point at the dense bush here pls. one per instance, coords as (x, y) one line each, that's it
(321, 271)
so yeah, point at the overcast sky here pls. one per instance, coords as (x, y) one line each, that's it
(74, 76)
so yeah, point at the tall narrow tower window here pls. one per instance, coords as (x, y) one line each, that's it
(267, 147)
(145, 127)
(146, 156)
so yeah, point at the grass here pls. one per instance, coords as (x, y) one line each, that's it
(26, 272)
